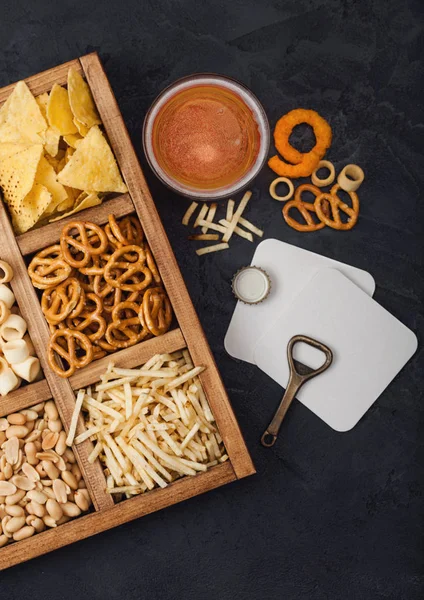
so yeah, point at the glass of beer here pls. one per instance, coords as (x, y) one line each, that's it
(206, 136)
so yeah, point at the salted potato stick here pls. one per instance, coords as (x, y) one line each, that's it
(170, 460)
(209, 249)
(151, 459)
(205, 237)
(214, 226)
(238, 230)
(230, 210)
(210, 216)
(189, 375)
(74, 418)
(143, 373)
(237, 214)
(248, 225)
(85, 435)
(103, 408)
(201, 215)
(189, 212)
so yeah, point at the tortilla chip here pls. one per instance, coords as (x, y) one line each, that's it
(93, 166)
(81, 100)
(59, 112)
(31, 209)
(47, 177)
(9, 149)
(21, 120)
(82, 129)
(73, 139)
(87, 202)
(52, 137)
(17, 174)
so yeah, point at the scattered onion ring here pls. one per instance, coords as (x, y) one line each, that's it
(303, 163)
(303, 169)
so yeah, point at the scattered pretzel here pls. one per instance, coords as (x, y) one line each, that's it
(119, 273)
(305, 209)
(127, 232)
(156, 313)
(48, 269)
(336, 205)
(125, 332)
(78, 250)
(90, 318)
(73, 343)
(66, 300)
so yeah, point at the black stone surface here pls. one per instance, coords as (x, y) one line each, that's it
(328, 516)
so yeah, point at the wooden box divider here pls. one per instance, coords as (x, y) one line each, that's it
(30, 242)
(187, 334)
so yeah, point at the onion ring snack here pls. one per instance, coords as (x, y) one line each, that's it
(323, 164)
(274, 184)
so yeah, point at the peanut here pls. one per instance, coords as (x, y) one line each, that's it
(24, 533)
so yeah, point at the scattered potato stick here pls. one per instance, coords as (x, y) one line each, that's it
(209, 249)
(86, 434)
(189, 375)
(236, 216)
(204, 236)
(244, 234)
(210, 217)
(248, 225)
(189, 212)
(214, 226)
(230, 210)
(201, 215)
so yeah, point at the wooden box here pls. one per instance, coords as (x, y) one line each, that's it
(189, 334)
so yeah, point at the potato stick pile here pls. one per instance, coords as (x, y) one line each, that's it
(232, 223)
(150, 425)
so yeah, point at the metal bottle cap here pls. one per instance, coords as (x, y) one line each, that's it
(251, 285)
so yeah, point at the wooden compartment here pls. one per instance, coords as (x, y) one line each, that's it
(188, 334)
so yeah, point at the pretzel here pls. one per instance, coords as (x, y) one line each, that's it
(155, 313)
(305, 208)
(66, 343)
(77, 251)
(90, 318)
(47, 269)
(336, 205)
(122, 333)
(125, 233)
(152, 265)
(119, 273)
(66, 300)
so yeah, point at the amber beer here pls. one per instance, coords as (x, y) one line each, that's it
(205, 137)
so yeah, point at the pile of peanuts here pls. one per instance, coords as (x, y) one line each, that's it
(41, 485)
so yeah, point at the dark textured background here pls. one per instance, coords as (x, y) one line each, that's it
(329, 515)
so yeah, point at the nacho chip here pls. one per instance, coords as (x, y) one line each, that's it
(52, 137)
(59, 112)
(31, 209)
(8, 149)
(47, 177)
(93, 166)
(71, 199)
(21, 120)
(17, 174)
(88, 201)
(81, 100)
(73, 139)
(82, 129)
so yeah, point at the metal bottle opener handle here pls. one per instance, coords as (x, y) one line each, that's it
(299, 374)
